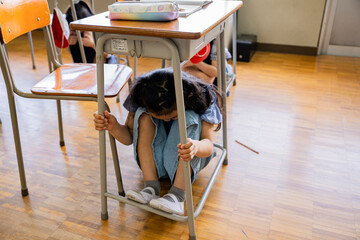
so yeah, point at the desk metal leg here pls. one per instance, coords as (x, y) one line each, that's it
(104, 212)
(102, 145)
(182, 132)
(234, 45)
(220, 44)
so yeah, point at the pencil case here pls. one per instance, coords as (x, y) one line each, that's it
(144, 11)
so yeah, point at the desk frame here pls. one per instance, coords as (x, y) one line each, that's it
(175, 59)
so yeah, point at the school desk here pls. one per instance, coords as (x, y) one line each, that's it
(177, 41)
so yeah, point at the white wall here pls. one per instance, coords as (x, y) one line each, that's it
(100, 5)
(284, 22)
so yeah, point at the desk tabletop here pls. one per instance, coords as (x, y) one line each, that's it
(193, 26)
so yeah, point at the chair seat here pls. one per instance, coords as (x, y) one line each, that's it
(80, 80)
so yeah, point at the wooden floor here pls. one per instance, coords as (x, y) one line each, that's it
(302, 114)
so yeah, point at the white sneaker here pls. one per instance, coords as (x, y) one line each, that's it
(141, 196)
(168, 206)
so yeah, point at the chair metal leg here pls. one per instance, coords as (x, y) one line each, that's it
(58, 54)
(32, 49)
(163, 63)
(61, 131)
(50, 65)
(125, 61)
(78, 34)
(16, 133)
(135, 66)
(116, 166)
(234, 35)
(10, 93)
(58, 105)
(134, 70)
(116, 161)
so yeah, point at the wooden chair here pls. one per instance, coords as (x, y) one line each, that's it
(67, 82)
(81, 46)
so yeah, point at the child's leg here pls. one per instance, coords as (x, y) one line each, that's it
(173, 201)
(179, 177)
(145, 149)
(147, 162)
(178, 187)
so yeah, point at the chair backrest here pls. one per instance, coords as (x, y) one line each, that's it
(21, 16)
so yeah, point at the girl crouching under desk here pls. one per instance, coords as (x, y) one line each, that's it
(152, 127)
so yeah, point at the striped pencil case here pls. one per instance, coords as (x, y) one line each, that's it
(144, 11)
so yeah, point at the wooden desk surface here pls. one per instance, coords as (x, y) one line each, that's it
(192, 27)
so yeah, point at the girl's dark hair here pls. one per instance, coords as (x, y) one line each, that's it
(156, 92)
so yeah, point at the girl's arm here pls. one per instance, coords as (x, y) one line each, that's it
(202, 70)
(122, 133)
(72, 38)
(210, 70)
(199, 148)
(88, 39)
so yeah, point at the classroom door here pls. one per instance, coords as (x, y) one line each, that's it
(340, 33)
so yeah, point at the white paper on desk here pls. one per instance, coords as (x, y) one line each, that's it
(193, 2)
(187, 7)
(185, 2)
(186, 10)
